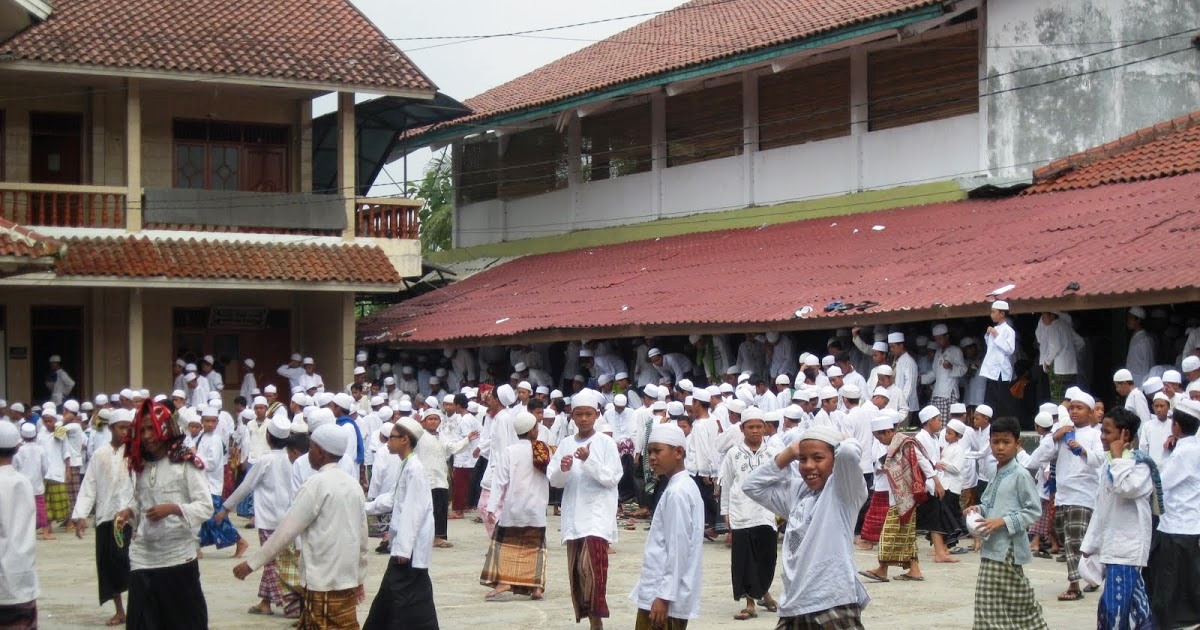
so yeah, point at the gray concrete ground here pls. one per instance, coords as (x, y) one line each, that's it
(944, 600)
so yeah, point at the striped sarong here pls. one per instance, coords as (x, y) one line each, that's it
(1004, 598)
(74, 479)
(1070, 524)
(287, 570)
(847, 617)
(58, 505)
(1045, 524)
(268, 584)
(39, 504)
(876, 514)
(517, 558)
(587, 567)
(898, 542)
(329, 610)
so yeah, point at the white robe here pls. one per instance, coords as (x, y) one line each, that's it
(18, 551)
(672, 563)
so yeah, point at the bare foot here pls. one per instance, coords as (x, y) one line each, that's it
(538, 594)
(498, 591)
(945, 559)
(241, 548)
(116, 620)
(864, 545)
(48, 536)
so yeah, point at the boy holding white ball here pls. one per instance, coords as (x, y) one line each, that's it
(1004, 599)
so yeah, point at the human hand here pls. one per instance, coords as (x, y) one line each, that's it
(360, 594)
(658, 613)
(80, 527)
(940, 466)
(1058, 435)
(1072, 444)
(1170, 443)
(122, 518)
(161, 511)
(990, 525)
(400, 559)
(582, 453)
(567, 460)
(475, 453)
(938, 488)
(1117, 447)
(474, 435)
(242, 570)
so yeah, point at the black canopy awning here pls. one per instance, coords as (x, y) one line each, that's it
(378, 126)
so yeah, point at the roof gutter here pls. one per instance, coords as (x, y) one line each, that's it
(718, 65)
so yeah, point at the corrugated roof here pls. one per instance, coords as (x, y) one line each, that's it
(1166, 149)
(694, 33)
(923, 260)
(312, 41)
(142, 257)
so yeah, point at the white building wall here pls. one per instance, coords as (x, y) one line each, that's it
(702, 187)
(806, 170)
(918, 154)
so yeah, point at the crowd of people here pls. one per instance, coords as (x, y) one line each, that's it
(794, 459)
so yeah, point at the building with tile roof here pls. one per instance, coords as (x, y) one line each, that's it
(158, 164)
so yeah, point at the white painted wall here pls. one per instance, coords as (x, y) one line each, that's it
(918, 154)
(806, 170)
(539, 215)
(617, 201)
(702, 187)
(480, 223)
(1037, 124)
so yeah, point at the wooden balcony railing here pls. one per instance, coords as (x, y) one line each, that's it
(58, 205)
(380, 217)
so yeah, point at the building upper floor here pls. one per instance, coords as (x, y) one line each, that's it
(196, 116)
(719, 105)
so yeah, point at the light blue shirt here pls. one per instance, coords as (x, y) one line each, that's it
(1013, 496)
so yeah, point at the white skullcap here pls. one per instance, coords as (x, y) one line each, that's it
(685, 385)
(587, 398)
(793, 412)
(957, 426)
(300, 398)
(358, 369)
(385, 429)
(701, 395)
(675, 408)
(883, 422)
(687, 401)
(966, 341)
(725, 388)
(783, 379)
(524, 422)
(431, 401)
(384, 412)
(330, 438)
(189, 416)
(827, 392)
(270, 389)
(188, 378)
(473, 407)
(214, 395)
(809, 358)
(17, 407)
(246, 415)
(650, 390)
(772, 336)
(1189, 406)
(71, 405)
(28, 431)
(520, 366)
(879, 346)
(406, 370)
(1049, 408)
(548, 413)
(1172, 376)
(308, 361)
(827, 360)
(693, 338)
(885, 370)
(733, 369)
(506, 395)
(320, 417)
(621, 376)
(1138, 312)
(259, 400)
(585, 353)
(120, 415)
(542, 389)
(939, 330)
(280, 427)
(658, 405)
(211, 412)
(1085, 398)
(928, 413)
(1152, 385)
(896, 337)
(620, 400)
(1123, 376)
(557, 393)
(101, 399)
(1044, 420)
(529, 388)
(1000, 305)
(821, 433)
(343, 400)
(412, 427)
(448, 398)
(667, 433)
(735, 406)
(743, 377)
(985, 410)
(834, 371)
(881, 391)
(957, 408)
(10, 437)
(295, 356)
(1163, 397)
(800, 394)
(389, 380)
(1191, 363)
(405, 406)
(752, 413)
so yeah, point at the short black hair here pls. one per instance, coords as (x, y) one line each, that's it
(356, 387)
(841, 357)
(535, 404)
(276, 443)
(461, 400)
(1124, 419)
(298, 441)
(1007, 424)
(8, 452)
(1188, 424)
(240, 400)
(755, 380)
(703, 404)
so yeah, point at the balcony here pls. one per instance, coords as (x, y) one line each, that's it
(387, 217)
(60, 205)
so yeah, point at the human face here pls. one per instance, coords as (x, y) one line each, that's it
(1123, 388)
(981, 421)
(934, 425)
(752, 431)
(815, 459)
(997, 316)
(210, 424)
(430, 422)
(836, 382)
(1004, 447)
(665, 460)
(194, 428)
(120, 431)
(886, 380)
(879, 401)
(585, 419)
(1161, 407)
(878, 357)
(884, 437)
(152, 447)
(952, 436)
(896, 348)
(1109, 433)
(686, 425)
(1080, 413)
(829, 405)
(398, 443)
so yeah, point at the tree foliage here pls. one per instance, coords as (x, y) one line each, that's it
(437, 215)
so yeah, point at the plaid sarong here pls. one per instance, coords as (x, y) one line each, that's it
(39, 504)
(587, 567)
(1070, 524)
(73, 481)
(329, 610)
(1004, 598)
(287, 570)
(1044, 525)
(876, 514)
(516, 557)
(943, 404)
(58, 506)
(847, 617)
(898, 542)
(268, 585)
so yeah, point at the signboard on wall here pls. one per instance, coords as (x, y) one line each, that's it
(237, 317)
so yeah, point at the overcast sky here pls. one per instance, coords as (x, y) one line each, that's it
(465, 69)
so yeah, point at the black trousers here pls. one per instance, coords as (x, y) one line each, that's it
(167, 599)
(404, 600)
(477, 481)
(869, 479)
(112, 561)
(710, 503)
(441, 506)
(627, 487)
(998, 395)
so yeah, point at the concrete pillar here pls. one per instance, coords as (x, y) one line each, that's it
(574, 167)
(859, 110)
(133, 157)
(749, 134)
(658, 148)
(136, 330)
(347, 155)
(346, 360)
(303, 147)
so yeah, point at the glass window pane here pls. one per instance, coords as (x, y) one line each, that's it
(224, 168)
(189, 166)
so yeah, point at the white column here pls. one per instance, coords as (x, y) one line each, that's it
(749, 134)
(347, 159)
(574, 167)
(136, 342)
(303, 147)
(658, 148)
(859, 111)
(133, 159)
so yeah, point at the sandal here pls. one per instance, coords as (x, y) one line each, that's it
(1042, 554)
(1091, 588)
(745, 614)
(771, 605)
(873, 577)
(443, 544)
(904, 577)
(255, 610)
(1071, 595)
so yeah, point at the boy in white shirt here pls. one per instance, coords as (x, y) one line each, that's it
(1173, 573)
(32, 462)
(18, 551)
(218, 530)
(752, 525)
(516, 558)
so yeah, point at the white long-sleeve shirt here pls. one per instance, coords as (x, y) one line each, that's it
(997, 360)
(672, 563)
(744, 512)
(173, 540)
(55, 456)
(1119, 532)
(1180, 474)
(523, 490)
(1140, 358)
(953, 459)
(818, 554)
(61, 389)
(783, 357)
(858, 420)
(249, 384)
(466, 425)
(271, 482)
(210, 449)
(292, 374)
(1077, 478)
(907, 379)
(1056, 343)
(675, 366)
(104, 484)
(384, 474)
(945, 379)
(1152, 435)
(328, 513)
(198, 395)
(435, 452)
(589, 501)
(411, 506)
(704, 446)
(18, 551)
(32, 462)
(1136, 402)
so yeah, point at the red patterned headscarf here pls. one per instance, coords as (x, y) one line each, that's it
(166, 428)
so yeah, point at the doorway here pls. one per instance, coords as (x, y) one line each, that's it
(55, 330)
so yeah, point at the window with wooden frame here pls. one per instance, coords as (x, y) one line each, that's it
(212, 155)
(533, 162)
(704, 125)
(478, 176)
(616, 143)
(804, 105)
(923, 81)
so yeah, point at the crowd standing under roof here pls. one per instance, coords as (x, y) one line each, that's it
(787, 452)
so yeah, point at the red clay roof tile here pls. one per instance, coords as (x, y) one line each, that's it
(1118, 239)
(315, 41)
(22, 242)
(141, 257)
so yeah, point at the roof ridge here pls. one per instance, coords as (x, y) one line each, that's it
(1123, 144)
